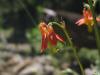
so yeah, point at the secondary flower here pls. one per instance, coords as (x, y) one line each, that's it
(87, 19)
(48, 35)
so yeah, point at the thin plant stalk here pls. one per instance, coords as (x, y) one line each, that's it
(97, 35)
(75, 51)
(71, 44)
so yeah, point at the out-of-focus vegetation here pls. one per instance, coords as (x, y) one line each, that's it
(20, 38)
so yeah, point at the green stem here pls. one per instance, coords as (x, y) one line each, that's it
(74, 50)
(95, 27)
(71, 44)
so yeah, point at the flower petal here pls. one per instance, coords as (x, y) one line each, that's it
(98, 19)
(44, 42)
(52, 37)
(43, 27)
(80, 22)
(59, 38)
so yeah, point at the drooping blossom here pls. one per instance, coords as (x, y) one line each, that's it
(48, 35)
(87, 19)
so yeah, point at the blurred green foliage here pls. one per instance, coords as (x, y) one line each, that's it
(90, 54)
(34, 38)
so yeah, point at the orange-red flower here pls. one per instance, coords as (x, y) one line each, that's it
(87, 19)
(48, 35)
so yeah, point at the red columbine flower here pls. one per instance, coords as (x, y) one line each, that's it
(87, 19)
(44, 32)
(48, 35)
